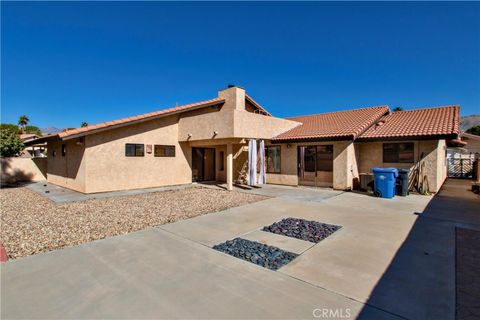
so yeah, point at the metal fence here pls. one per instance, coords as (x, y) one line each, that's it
(461, 167)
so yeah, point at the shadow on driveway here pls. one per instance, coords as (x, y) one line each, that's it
(421, 282)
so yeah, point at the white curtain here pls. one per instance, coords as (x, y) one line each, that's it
(252, 162)
(261, 177)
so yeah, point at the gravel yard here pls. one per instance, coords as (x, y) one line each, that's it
(31, 224)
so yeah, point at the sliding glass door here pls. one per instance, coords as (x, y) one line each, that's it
(203, 164)
(315, 165)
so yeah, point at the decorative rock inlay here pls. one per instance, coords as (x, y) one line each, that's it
(261, 254)
(312, 231)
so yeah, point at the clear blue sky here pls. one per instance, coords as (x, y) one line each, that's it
(63, 63)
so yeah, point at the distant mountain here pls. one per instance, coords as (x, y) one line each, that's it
(50, 130)
(469, 121)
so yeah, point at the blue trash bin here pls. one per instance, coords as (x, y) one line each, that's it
(384, 180)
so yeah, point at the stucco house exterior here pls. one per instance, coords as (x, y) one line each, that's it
(208, 141)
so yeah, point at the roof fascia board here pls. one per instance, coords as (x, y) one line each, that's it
(250, 99)
(120, 125)
(323, 139)
(404, 138)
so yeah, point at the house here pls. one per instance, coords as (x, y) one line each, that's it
(472, 143)
(462, 154)
(208, 141)
(30, 151)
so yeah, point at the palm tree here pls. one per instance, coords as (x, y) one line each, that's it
(23, 121)
(84, 124)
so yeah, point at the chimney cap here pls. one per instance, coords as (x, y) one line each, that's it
(234, 86)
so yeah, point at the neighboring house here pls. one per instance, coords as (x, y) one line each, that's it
(461, 155)
(208, 141)
(473, 143)
(32, 150)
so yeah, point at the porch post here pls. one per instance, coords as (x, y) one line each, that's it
(229, 167)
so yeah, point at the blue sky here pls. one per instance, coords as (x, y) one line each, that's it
(67, 62)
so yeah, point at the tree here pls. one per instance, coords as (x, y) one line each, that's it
(23, 121)
(33, 129)
(397, 109)
(10, 143)
(10, 126)
(474, 130)
(84, 124)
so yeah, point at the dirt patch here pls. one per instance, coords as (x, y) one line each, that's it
(31, 224)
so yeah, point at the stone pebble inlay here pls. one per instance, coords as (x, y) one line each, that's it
(261, 254)
(302, 229)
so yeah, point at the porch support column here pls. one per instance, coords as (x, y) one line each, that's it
(229, 167)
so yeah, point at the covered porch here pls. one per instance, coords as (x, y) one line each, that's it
(224, 161)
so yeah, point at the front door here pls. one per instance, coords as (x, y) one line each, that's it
(315, 165)
(203, 164)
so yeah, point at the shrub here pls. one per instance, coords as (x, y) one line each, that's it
(10, 143)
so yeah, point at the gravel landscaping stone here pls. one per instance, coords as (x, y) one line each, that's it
(312, 231)
(261, 254)
(31, 224)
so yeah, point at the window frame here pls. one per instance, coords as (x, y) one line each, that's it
(165, 154)
(135, 145)
(397, 152)
(279, 159)
(221, 156)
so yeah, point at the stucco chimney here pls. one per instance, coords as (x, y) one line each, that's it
(234, 97)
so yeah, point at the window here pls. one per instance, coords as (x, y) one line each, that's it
(134, 150)
(272, 159)
(64, 150)
(222, 160)
(398, 152)
(164, 151)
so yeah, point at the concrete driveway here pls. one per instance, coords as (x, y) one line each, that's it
(385, 262)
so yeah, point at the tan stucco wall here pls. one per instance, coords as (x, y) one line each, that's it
(203, 126)
(431, 151)
(441, 163)
(16, 169)
(251, 125)
(344, 164)
(69, 170)
(232, 120)
(109, 169)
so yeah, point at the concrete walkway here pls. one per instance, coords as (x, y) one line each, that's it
(59, 194)
(386, 262)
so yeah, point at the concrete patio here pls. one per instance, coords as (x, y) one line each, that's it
(377, 266)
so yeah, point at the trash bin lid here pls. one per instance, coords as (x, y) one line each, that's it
(403, 170)
(386, 170)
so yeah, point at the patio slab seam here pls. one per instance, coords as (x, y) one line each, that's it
(285, 274)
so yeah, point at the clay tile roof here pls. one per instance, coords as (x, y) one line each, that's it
(429, 122)
(25, 136)
(146, 116)
(335, 125)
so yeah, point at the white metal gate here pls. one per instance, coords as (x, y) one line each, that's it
(460, 165)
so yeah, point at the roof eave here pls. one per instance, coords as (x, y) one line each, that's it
(256, 104)
(120, 125)
(53, 137)
(413, 137)
(313, 139)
